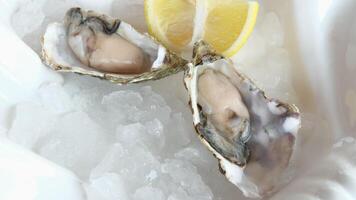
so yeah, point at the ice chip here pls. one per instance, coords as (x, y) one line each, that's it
(133, 163)
(123, 106)
(140, 162)
(148, 193)
(55, 98)
(77, 143)
(187, 177)
(179, 194)
(155, 130)
(178, 135)
(109, 186)
(133, 134)
(31, 123)
(120, 107)
(153, 106)
(107, 164)
(195, 155)
(149, 112)
(154, 127)
(151, 176)
(123, 98)
(152, 98)
(142, 105)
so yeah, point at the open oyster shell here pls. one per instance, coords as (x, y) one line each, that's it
(252, 136)
(72, 46)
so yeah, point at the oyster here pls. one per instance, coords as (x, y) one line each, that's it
(92, 44)
(252, 136)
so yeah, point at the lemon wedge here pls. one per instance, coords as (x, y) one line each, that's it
(171, 22)
(224, 24)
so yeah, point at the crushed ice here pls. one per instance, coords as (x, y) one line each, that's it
(123, 142)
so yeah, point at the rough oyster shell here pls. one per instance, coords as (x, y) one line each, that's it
(58, 54)
(256, 157)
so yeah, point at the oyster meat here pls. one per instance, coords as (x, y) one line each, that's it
(252, 136)
(92, 44)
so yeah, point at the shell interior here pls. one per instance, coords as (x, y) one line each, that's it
(57, 54)
(273, 129)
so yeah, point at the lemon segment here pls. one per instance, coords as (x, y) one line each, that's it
(226, 26)
(229, 23)
(246, 31)
(171, 22)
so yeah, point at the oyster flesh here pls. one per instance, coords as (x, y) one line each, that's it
(252, 136)
(92, 44)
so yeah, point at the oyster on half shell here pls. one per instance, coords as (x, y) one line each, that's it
(92, 44)
(252, 136)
